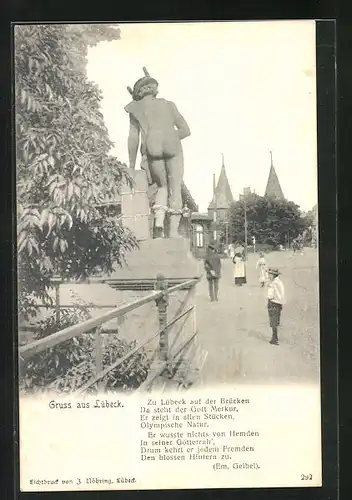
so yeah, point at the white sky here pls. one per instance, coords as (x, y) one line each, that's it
(244, 88)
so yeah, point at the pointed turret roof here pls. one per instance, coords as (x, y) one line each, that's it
(187, 198)
(273, 188)
(222, 197)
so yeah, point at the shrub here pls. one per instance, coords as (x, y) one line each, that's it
(67, 366)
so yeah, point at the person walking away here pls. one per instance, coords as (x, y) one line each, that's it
(276, 300)
(262, 267)
(212, 266)
(239, 270)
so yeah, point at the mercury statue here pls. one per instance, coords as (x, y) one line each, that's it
(159, 126)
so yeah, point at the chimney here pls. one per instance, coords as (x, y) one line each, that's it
(214, 185)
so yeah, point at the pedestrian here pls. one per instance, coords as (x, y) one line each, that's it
(212, 265)
(276, 300)
(262, 267)
(295, 246)
(231, 251)
(239, 269)
(240, 250)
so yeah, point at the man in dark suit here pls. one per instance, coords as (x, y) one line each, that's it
(212, 266)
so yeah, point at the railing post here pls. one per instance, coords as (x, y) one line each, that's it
(57, 302)
(121, 320)
(194, 312)
(162, 303)
(98, 356)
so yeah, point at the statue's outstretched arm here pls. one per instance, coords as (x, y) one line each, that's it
(180, 123)
(133, 141)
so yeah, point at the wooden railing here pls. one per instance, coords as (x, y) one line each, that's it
(169, 350)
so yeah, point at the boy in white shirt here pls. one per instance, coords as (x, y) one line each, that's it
(276, 300)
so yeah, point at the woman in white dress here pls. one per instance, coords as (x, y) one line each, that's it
(239, 270)
(262, 267)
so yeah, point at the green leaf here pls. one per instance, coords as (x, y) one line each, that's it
(34, 245)
(63, 245)
(22, 241)
(55, 243)
(44, 216)
(51, 222)
(23, 96)
(69, 191)
(29, 247)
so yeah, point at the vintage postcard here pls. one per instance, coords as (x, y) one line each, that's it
(168, 278)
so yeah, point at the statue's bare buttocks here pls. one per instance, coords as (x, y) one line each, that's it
(159, 126)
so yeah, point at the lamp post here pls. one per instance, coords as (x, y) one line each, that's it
(215, 226)
(245, 227)
(227, 233)
(215, 222)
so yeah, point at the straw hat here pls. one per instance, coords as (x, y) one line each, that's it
(274, 271)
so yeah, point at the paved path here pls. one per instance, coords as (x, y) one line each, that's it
(235, 330)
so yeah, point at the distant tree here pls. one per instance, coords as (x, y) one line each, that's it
(64, 169)
(270, 221)
(312, 216)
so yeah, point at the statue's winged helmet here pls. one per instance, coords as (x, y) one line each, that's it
(140, 83)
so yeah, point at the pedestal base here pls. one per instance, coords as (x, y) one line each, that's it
(170, 257)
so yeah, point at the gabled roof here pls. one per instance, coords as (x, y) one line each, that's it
(222, 197)
(273, 188)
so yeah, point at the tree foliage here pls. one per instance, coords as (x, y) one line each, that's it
(271, 221)
(312, 216)
(67, 366)
(64, 169)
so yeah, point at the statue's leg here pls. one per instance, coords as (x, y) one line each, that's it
(158, 174)
(174, 169)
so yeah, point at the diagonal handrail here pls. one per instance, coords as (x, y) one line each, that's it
(68, 333)
(165, 364)
(119, 362)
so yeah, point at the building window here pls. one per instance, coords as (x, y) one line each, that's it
(199, 236)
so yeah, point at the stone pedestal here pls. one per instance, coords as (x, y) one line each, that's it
(135, 205)
(170, 257)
